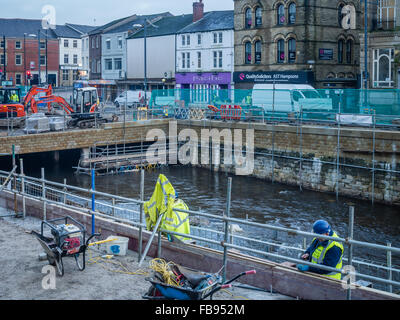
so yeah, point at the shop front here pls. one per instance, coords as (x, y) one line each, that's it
(203, 88)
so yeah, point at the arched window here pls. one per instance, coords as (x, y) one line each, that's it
(248, 21)
(292, 50)
(281, 14)
(340, 51)
(248, 53)
(258, 17)
(340, 14)
(292, 13)
(258, 52)
(281, 51)
(349, 51)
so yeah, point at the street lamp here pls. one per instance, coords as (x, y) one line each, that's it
(144, 26)
(26, 35)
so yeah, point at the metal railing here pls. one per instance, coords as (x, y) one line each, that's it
(130, 211)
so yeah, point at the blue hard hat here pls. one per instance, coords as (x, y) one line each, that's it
(176, 194)
(321, 227)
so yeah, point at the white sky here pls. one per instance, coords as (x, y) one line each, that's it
(99, 12)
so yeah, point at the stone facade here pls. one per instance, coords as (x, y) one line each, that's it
(314, 25)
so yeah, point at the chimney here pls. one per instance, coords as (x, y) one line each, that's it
(198, 10)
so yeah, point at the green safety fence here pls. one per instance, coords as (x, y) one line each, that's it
(366, 106)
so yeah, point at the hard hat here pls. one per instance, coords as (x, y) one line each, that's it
(176, 194)
(321, 227)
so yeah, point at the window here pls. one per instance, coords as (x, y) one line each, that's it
(42, 60)
(340, 51)
(43, 44)
(383, 67)
(66, 59)
(17, 44)
(248, 53)
(183, 40)
(93, 66)
(187, 60)
(215, 37)
(18, 79)
(292, 13)
(349, 51)
(248, 21)
(75, 59)
(281, 51)
(188, 40)
(108, 44)
(387, 14)
(98, 66)
(18, 59)
(120, 44)
(2, 62)
(258, 52)
(292, 50)
(199, 39)
(118, 64)
(66, 43)
(108, 64)
(220, 59)
(183, 60)
(340, 14)
(65, 75)
(75, 44)
(93, 41)
(220, 37)
(97, 42)
(281, 14)
(258, 17)
(2, 44)
(215, 54)
(199, 59)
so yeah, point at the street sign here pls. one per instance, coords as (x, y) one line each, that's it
(32, 65)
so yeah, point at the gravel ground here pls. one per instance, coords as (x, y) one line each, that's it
(21, 277)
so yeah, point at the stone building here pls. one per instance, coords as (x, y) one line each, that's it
(307, 38)
(383, 45)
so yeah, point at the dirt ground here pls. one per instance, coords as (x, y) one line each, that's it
(21, 274)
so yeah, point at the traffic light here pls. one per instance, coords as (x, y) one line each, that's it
(28, 75)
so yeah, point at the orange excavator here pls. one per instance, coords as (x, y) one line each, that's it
(10, 103)
(83, 111)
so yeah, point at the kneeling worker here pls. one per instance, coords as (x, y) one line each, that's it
(324, 252)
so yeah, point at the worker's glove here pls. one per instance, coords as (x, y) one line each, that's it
(303, 267)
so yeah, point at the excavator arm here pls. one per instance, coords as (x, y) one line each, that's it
(30, 97)
(53, 99)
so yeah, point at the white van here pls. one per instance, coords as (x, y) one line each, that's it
(131, 98)
(289, 98)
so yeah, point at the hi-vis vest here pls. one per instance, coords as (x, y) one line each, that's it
(163, 201)
(319, 253)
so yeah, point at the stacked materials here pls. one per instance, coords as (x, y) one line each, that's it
(37, 123)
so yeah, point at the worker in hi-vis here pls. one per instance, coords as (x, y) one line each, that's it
(324, 252)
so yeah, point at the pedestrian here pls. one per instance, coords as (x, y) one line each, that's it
(323, 252)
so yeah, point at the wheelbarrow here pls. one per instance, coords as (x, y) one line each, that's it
(69, 240)
(197, 286)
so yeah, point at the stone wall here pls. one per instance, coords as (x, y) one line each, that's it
(307, 156)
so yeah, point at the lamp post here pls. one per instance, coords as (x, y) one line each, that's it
(366, 44)
(39, 75)
(27, 35)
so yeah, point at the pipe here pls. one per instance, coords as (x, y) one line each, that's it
(93, 202)
(227, 214)
(151, 239)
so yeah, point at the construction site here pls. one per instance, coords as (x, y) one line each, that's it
(66, 155)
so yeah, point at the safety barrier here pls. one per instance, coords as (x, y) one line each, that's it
(130, 211)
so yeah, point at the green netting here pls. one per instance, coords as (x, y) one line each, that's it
(382, 106)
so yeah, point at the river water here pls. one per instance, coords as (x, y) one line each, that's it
(258, 200)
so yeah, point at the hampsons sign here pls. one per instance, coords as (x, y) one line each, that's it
(299, 77)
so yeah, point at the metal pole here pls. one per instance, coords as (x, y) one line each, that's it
(21, 166)
(47, 74)
(373, 159)
(141, 213)
(93, 201)
(366, 46)
(301, 147)
(39, 75)
(145, 62)
(25, 60)
(15, 181)
(151, 239)
(389, 263)
(227, 213)
(338, 154)
(44, 196)
(5, 58)
(350, 247)
(65, 191)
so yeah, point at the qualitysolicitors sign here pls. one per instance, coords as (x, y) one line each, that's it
(306, 77)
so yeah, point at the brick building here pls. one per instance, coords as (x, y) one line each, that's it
(303, 37)
(22, 52)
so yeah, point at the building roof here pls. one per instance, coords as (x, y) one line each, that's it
(139, 20)
(166, 26)
(16, 28)
(83, 29)
(211, 21)
(66, 32)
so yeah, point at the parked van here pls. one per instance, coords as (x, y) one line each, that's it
(289, 98)
(131, 98)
